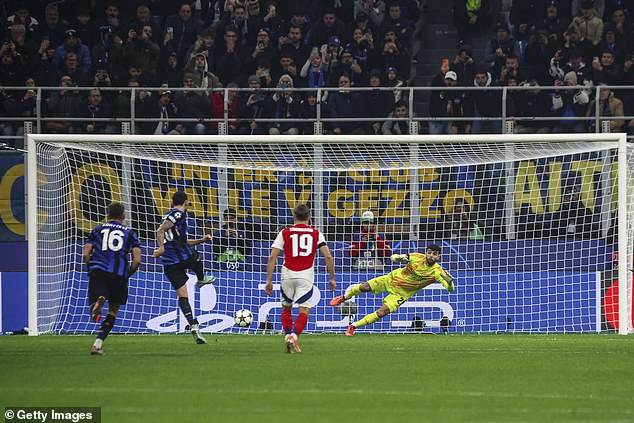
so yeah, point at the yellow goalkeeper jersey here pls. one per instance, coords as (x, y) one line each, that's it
(416, 275)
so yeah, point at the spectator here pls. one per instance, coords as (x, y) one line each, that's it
(576, 64)
(363, 23)
(284, 105)
(397, 127)
(180, 32)
(230, 243)
(610, 109)
(459, 223)
(166, 111)
(622, 25)
(206, 45)
(525, 12)
(271, 20)
(100, 79)
(46, 74)
(25, 48)
(627, 76)
(395, 82)
(301, 20)
(71, 67)
(485, 103)
(198, 66)
(309, 111)
(403, 27)
(230, 63)
(330, 53)
(192, 103)
(11, 66)
(532, 105)
(605, 70)
(22, 16)
(218, 107)
(447, 103)
(75, 46)
(597, 6)
(64, 102)
(368, 244)
(588, 25)
(394, 54)
(511, 69)
(106, 51)
(144, 18)
(287, 66)
(243, 27)
(540, 49)
(313, 73)
(295, 45)
(53, 29)
(498, 48)
(87, 31)
(142, 99)
(554, 22)
(379, 102)
(96, 107)
(470, 18)
(613, 6)
(263, 49)
(362, 46)
(18, 103)
(610, 42)
(345, 106)
(113, 19)
(252, 107)
(139, 49)
(325, 28)
(464, 65)
(350, 67)
(569, 103)
(374, 10)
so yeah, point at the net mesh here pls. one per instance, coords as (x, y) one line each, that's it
(527, 228)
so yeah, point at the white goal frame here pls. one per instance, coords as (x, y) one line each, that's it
(619, 140)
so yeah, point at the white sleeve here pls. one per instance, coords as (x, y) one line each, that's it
(279, 242)
(321, 238)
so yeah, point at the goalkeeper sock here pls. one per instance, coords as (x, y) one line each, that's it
(287, 321)
(183, 303)
(199, 270)
(368, 319)
(354, 291)
(300, 323)
(106, 327)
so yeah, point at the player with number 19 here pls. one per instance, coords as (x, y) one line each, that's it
(106, 253)
(299, 242)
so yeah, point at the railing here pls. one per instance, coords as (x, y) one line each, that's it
(129, 124)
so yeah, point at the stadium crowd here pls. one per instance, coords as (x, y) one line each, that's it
(158, 45)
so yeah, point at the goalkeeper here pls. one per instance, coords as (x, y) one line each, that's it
(401, 284)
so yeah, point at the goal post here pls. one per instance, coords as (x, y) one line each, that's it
(537, 229)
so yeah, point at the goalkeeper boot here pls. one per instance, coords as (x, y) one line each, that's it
(206, 281)
(96, 351)
(195, 330)
(293, 340)
(95, 313)
(350, 331)
(337, 300)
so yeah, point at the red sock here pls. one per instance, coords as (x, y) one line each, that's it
(300, 323)
(287, 321)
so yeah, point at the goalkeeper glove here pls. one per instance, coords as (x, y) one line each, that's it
(448, 281)
(399, 257)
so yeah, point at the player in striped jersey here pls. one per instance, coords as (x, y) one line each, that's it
(400, 284)
(178, 256)
(106, 254)
(299, 243)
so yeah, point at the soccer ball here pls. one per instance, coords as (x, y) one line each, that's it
(243, 318)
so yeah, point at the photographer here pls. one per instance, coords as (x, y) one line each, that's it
(263, 49)
(498, 48)
(141, 50)
(230, 243)
(393, 53)
(464, 65)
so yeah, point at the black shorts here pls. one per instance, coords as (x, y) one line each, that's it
(177, 273)
(109, 285)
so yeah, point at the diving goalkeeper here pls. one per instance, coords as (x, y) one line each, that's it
(401, 284)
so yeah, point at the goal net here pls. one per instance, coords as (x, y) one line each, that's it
(537, 230)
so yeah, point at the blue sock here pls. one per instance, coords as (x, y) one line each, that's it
(183, 303)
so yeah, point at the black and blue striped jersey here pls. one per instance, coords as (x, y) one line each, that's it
(176, 248)
(112, 243)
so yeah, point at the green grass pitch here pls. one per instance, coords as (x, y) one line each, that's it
(367, 378)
